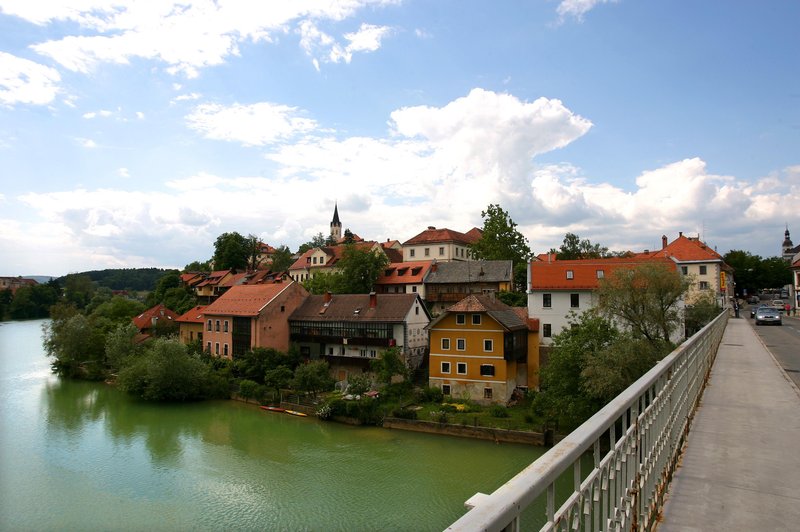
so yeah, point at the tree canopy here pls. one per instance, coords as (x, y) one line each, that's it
(573, 248)
(281, 259)
(753, 273)
(644, 299)
(502, 241)
(358, 269)
(232, 251)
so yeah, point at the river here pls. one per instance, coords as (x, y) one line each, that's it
(85, 456)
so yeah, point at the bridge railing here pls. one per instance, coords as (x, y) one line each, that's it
(635, 444)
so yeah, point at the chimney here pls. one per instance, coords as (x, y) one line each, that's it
(434, 265)
(327, 298)
(431, 228)
(373, 300)
(680, 234)
(663, 241)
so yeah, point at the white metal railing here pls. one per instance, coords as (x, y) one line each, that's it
(635, 442)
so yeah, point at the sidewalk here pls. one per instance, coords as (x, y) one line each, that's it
(741, 466)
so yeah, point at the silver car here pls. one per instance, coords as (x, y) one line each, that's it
(768, 315)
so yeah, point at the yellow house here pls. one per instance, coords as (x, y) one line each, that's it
(191, 325)
(482, 350)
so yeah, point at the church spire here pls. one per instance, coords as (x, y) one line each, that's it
(336, 225)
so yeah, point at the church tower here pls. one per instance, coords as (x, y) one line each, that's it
(786, 249)
(336, 225)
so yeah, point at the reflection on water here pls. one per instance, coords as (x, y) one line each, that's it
(85, 456)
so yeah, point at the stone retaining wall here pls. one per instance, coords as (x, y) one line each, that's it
(465, 431)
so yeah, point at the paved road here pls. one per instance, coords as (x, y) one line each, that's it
(784, 344)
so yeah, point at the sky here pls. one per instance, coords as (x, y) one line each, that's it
(134, 133)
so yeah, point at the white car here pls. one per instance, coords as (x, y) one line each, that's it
(778, 305)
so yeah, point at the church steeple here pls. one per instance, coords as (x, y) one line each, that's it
(336, 225)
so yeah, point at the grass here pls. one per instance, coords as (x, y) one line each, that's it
(519, 416)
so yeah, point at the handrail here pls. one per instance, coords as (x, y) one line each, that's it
(635, 441)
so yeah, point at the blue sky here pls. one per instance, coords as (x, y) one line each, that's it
(132, 134)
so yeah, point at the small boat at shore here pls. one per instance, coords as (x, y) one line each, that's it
(273, 408)
(295, 413)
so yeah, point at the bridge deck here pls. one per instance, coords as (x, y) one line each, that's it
(741, 467)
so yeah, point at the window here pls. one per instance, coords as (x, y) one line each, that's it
(445, 367)
(225, 350)
(703, 285)
(574, 300)
(410, 252)
(216, 348)
(461, 368)
(445, 344)
(441, 251)
(487, 370)
(461, 344)
(373, 353)
(461, 319)
(216, 326)
(570, 274)
(416, 311)
(427, 252)
(684, 270)
(703, 270)
(208, 347)
(414, 289)
(445, 389)
(476, 319)
(330, 350)
(487, 393)
(547, 300)
(488, 346)
(546, 330)
(601, 274)
(209, 328)
(225, 326)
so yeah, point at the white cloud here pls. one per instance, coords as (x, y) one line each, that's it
(186, 35)
(123, 172)
(366, 39)
(24, 81)
(86, 143)
(578, 8)
(253, 125)
(94, 114)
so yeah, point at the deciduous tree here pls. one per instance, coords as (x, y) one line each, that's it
(231, 251)
(573, 248)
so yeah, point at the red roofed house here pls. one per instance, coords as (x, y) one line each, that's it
(15, 283)
(155, 320)
(191, 325)
(482, 349)
(444, 245)
(208, 288)
(325, 259)
(248, 316)
(348, 330)
(562, 286)
(403, 278)
(707, 269)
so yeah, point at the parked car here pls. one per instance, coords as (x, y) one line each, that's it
(768, 315)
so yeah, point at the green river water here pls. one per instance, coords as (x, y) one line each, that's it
(84, 456)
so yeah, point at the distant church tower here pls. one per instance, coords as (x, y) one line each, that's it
(787, 250)
(336, 225)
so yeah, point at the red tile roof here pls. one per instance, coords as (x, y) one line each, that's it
(246, 300)
(687, 249)
(145, 320)
(510, 318)
(214, 278)
(432, 235)
(357, 307)
(193, 315)
(400, 273)
(553, 275)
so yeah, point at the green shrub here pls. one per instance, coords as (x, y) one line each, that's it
(431, 394)
(404, 413)
(499, 411)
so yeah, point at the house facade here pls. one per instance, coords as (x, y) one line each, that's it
(325, 259)
(248, 316)
(482, 350)
(155, 321)
(348, 330)
(708, 272)
(447, 283)
(191, 324)
(560, 288)
(213, 285)
(444, 245)
(15, 283)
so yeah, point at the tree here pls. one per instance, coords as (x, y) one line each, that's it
(703, 309)
(120, 345)
(197, 266)
(360, 267)
(247, 389)
(33, 301)
(388, 365)
(322, 282)
(78, 289)
(747, 271)
(277, 378)
(312, 377)
(776, 273)
(502, 241)
(78, 348)
(231, 251)
(563, 397)
(317, 241)
(281, 259)
(573, 248)
(644, 299)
